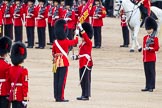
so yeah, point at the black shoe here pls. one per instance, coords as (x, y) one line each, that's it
(82, 98)
(94, 47)
(150, 90)
(36, 42)
(62, 100)
(123, 45)
(26, 41)
(98, 47)
(41, 47)
(146, 89)
(37, 47)
(49, 43)
(29, 46)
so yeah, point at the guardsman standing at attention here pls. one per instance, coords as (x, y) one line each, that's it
(41, 23)
(5, 46)
(7, 19)
(150, 47)
(98, 12)
(61, 63)
(1, 18)
(50, 8)
(18, 18)
(18, 77)
(69, 17)
(30, 14)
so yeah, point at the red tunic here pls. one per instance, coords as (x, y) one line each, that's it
(150, 55)
(1, 16)
(123, 20)
(21, 88)
(19, 17)
(7, 19)
(98, 22)
(60, 11)
(50, 8)
(147, 5)
(41, 22)
(85, 48)
(30, 20)
(70, 23)
(4, 69)
(80, 11)
(65, 44)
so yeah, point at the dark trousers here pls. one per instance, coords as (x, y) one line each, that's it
(97, 36)
(4, 103)
(1, 30)
(41, 36)
(125, 33)
(60, 82)
(17, 104)
(70, 37)
(18, 33)
(149, 68)
(8, 30)
(51, 33)
(30, 35)
(86, 82)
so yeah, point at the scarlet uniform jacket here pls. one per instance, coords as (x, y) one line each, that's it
(30, 21)
(150, 55)
(123, 20)
(8, 20)
(98, 22)
(80, 11)
(1, 14)
(18, 19)
(85, 48)
(60, 12)
(21, 88)
(146, 4)
(4, 70)
(70, 23)
(49, 16)
(41, 22)
(65, 44)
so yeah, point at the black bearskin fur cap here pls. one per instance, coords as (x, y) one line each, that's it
(69, 2)
(5, 45)
(61, 29)
(150, 23)
(56, 1)
(18, 53)
(31, 1)
(88, 29)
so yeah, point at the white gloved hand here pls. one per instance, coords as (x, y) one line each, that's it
(74, 57)
(56, 17)
(77, 32)
(80, 26)
(24, 103)
(139, 4)
(66, 19)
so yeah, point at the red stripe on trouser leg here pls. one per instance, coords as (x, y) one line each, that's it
(64, 83)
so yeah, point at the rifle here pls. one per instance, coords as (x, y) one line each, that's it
(98, 10)
(31, 9)
(69, 13)
(151, 39)
(50, 11)
(8, 7)
(56, 11)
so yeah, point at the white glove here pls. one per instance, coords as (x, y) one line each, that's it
(24, 103)
(66, 19)
(80, 26)
(56, 17)
(139, 4)
(77, 32)
(74, 57)
(7, 16)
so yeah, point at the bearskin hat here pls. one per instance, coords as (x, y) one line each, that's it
(85, 0)
(18, 53)
(1, 1)
(31, 1)
(88, 29)
(150, 23)
(56, 1)
(5, 45)
(69, 2)
(61, 29)
(42, 1)
(7, 0)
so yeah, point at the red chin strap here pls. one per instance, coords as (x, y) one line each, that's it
(22, 50)
(6, 46)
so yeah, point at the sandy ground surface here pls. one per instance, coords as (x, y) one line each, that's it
(117, 76)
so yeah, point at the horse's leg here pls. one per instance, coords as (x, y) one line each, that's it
(133, 41)
(136, 31)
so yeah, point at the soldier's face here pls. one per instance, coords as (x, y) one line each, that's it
(50, 2)
(62, 3)
(97, 2)
(41, 4)
(30, 3)
(150, 31)
(6, 2)
(55, 3)
(67, 7)
(83, 2)
(17, 2)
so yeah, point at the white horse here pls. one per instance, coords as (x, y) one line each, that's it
(134, 19)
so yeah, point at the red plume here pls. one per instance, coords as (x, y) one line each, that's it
(22, 50)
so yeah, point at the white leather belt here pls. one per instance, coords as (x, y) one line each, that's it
(2, 80)
(85, 55)
(17, 84)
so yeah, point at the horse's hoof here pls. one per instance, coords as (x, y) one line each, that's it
(131, 50)
(140, 49)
